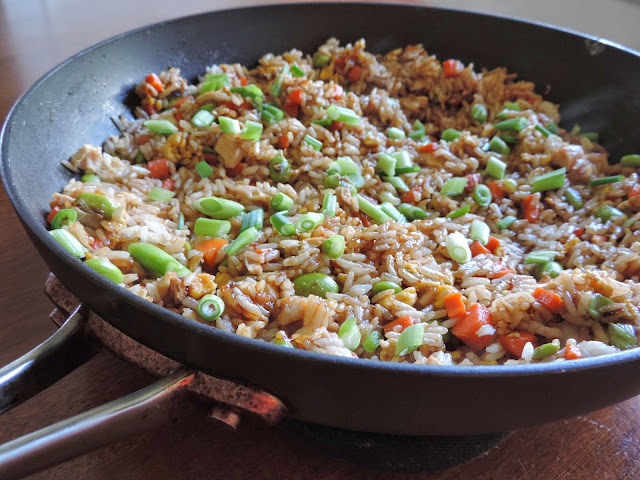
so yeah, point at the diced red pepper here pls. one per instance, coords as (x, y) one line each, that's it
(243, 80)
(355, 73)
(295, 96)
(572, 352)
(283, 141)
(404, 322)
(335, 126)
(96, 243)
(466, 327)
(578, 232)
(635, 191)
(364, 218)
(179, 103)
(159, 168)
(54, 211)
(412, 196)
(235, 170)
(428, 148)
(291, 109)
(210, 157)
(497, 193)
(168, 185)
(452, 67)
(550, 300)
(501, 273)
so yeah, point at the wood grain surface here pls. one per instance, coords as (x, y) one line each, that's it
(36, 35)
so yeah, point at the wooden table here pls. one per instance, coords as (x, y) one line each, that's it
(34, 36)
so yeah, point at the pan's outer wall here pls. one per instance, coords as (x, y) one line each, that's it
(596, 84)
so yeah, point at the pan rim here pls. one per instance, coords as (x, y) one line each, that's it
(34, 225)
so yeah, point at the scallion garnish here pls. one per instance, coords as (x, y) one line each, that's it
(313, 142)
(596, 304)
(243, 239)
(418, 131)
(344, 115)
(458, 248)
(229, 125)
(333, 247)
(606, 180)
(389, 198)
(296, 71)
(395, 133)
(271, 113)
(350, 333)
(252, 131)
(211, 228)
(323, 122)
(309, 221)
(321, 60)
(160, 195)
(517, 123)
(69, 242)
(280, 169)
(204, 169)
(549, 181)
(276, 88)
(450, 134)
(573, 198)
(329, 205)
(254, 219)
(512, 106)
(553, 128)
(540, 257)
(397, 183)
(214, 82)
(387, 164)
(393, 212)
(372, 342)
(607, 212)
(454, 186)
(161, 127)
(374, 211)
(632, 160)
(496, 167)
(180, 221)
(412, 212)
(479, 113)
(409, 169)
(496, 144)
(622, 335)
(410, 339)
(281, 202)
(482, 195)
(282, 224)
(202, 118)
(90, 177)
(506, 222)
(459, 212)
(64, 217)
(219, 208)
(210, 307)
(542, 130)
(479, 231)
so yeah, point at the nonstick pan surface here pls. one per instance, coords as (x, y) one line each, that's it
(595, 83)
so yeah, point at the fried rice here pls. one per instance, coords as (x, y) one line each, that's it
(552, 275)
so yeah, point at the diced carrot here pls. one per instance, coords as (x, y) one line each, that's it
(283, 141)
(340, 60)
(452, 67)
(466, 327)
(230, 105)
(572, 352)
(355, 73)
(243, 80)
(153, 80)
(96, 243)
(210, 157)
(515, 341)
(210, 249)
(497, 193)
(428, 148)
(412, 196)
(548, 299)
(473, 180)
(179, 103)
(159, 168)
(501, 273)
(408, 48)
(338, 91)
(635, 191)
(335, 126)
(291, 109)
(235, 170)
(578, 232)
(404, 322)
(455, 305)
(54, 211)
(531, 208)
(365, 219)
(478, 249)
(493, 244)
(178, 116)
(295, 96)
(142, 139)
(168, 185)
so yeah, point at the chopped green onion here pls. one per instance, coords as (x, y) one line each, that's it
(387, 164)
(313, 142)
(211, 228)
(250, 91)
(210, 307)
(454, 186)
(344, 166)
(155, 260)
(243, 239)
(98, 202)
(161, 127)
(69, 242)
(395, 133)
(390, 210)
(228, 124)
(219, 208)
(282, 224)
(591, 136)
(389, 198)
(479, 232)
(350, 333)
(410, 339)
(505, 222)
(180, 221)
(516, 123)
(273, 112)
(479, 113)
(573, 198)
(551, 269)
(309, 221)
(329, 205)
(372, 342)
(323, 122)
(596, 305)
(202, 118)
(512, 106)
(281, 202)
(607, 212)
(410, 169)
(254, 219)
(622, 336)
(208, 107)
(458, 248)
(632, 161)
(509, 138)
(321, 60)
(630, 221)
(509, 185)
(459, 212)
(356, 179)
(90, 177)
(412, 212)
(418, 131)
(280, 169)
(496, 144)
(403, 159)
(397, 183)
(252, 131)
(64, 217)
(296, 71)
(496, 167)
(549, 181)
(540, 257)
(315, 284)
(207, 149)
(333, 247)
(384, 285)
(204, 169)
(545, 350)
(606, 180)
(105, 268)
(344, 115)
(331, 181)
(214, 82)
(276, 88)
(374, 211)
(553, 128)
(160, 195)
(542, 130)
(450, 134)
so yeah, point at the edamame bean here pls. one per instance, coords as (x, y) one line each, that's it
(98, 202)
(105, 268)
(315, 283)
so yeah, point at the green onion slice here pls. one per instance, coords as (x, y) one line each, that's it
(397, 183)
(344, 115)
(549, 181)
(607, 212)
(280, 169)
(160, 195)
(204, 169)
(211, 228)
(228, 124)
(482, 195)
(374, 211)
(252, 131)
(350, 333)
(161, 127)
(281, 202)
(606, 180)
(309, 221)
(573, 198)
(64, 217)
(496, 168)
(540, 257)
(219, 208)
(329, 205)
(333, 247)
(459, 212)
(210, 307)
(412, 212)
(450, 134)
(542, 130)
(479, 113)
(479, 232)
(545, 350)
(632, 161)
(69, 242)
(387, 164)
(243, 239)
(454, 186)
(393, 212)
(372, 342)
(202, 118)
(313, 142)
(180, 221)
(517, 123)
(506, 222)
(282, 224)
(410, 339)
(497, 145)
(90, 177)
(597, 303)
(105, 268)
(623, 336)
(296, 71)
(276, 88)
(458, 248)
(254, 219)
(395, 133)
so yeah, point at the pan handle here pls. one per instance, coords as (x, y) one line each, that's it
(145, 409)
(43, 366)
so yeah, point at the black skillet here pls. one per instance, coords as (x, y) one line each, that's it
(595, 82)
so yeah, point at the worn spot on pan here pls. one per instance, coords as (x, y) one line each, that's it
(594, 47)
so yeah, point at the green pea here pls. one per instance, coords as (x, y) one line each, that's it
(98, 202)
(382, 286)
(105, 268)
(315, 283)
(543, 351)
(280, 169)
(597, 303)
(156, 261)
(551, 269)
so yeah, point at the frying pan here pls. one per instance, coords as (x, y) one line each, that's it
(595, 82)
